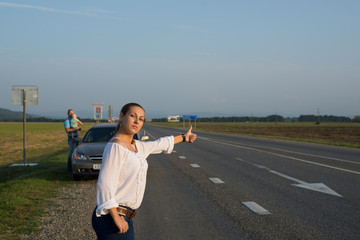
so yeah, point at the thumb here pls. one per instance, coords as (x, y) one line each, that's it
(189, 131)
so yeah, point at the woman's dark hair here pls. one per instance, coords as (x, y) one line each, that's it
(124, 111)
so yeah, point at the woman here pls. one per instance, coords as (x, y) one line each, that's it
(122, 178)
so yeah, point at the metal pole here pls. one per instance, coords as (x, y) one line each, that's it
(24, 125)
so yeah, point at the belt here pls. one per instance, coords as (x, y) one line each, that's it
(126, 212)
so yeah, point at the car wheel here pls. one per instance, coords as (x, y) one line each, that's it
(77, 177)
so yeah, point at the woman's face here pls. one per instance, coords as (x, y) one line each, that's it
(133, 121)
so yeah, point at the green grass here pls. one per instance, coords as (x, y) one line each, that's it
(40, 138)
(25, 191)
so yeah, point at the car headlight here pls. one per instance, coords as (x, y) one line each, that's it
(79, 156)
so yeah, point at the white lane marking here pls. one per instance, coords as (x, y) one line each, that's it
(150, 135)
(182, 157)
(284, 156)
(256, 208)
(204, 138)
(22, 164)
(173, 151)
(300, 153)
(194, 165)
(319, 187)
(216, 180)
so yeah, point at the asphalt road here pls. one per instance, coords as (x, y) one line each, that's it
(268, 189)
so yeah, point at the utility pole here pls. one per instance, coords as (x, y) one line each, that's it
(318, 117)
(24, 125)
(110, 113)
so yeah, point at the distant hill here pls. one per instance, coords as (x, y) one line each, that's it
(6, 114)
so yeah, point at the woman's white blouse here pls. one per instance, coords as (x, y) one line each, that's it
(122, 176)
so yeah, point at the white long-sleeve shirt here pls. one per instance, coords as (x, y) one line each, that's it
(122, 176)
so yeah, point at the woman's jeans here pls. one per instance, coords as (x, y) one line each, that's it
(106, 229)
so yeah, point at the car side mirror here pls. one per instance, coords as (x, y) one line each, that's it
(144, 138)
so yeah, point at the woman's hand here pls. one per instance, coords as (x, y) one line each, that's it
(189, 136)
(119, 221)
(122, 225)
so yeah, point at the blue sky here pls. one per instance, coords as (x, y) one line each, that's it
(178, 57)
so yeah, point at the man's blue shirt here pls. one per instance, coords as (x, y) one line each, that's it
(67, 124)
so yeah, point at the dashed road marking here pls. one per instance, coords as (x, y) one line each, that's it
(256, 208)
(216, 180)
(194, 165)
(182, 157)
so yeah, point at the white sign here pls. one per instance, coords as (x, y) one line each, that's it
(98, 108)
(17, 95)
(174, 118)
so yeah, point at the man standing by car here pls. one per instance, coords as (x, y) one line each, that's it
(71, 137)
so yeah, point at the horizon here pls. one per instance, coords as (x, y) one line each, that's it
(89, 115)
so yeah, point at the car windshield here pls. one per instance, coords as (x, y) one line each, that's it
(103, 134)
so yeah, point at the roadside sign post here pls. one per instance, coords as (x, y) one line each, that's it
(24, 95)
(189, 117)
(24, 124)
(98, 108)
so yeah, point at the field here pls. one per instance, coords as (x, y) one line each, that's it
(24, 190)
(339, 134)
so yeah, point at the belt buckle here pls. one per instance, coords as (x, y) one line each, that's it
(130, 213)
(126, 212)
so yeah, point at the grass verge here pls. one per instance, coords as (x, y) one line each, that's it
(24, 192)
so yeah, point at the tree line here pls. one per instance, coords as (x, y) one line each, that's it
(275, 118)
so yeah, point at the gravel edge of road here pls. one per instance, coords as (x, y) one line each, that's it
(68, 215)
